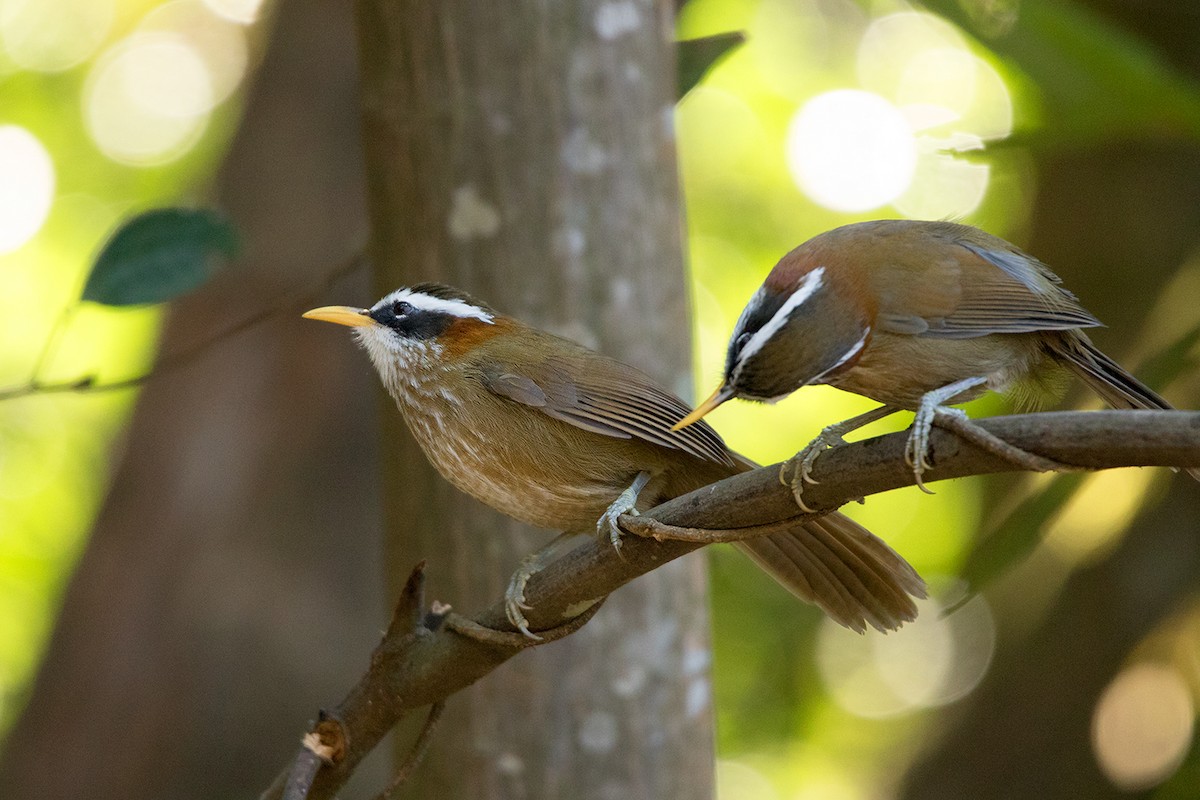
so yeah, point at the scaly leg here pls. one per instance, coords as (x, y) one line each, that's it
(799, 466)
(916, 451)
(514, 596)
(624, 504)
(932, 412)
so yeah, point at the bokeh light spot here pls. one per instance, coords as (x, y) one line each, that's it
(26, 186)
(892, 42)
(943, 187)
(739, 781)
(242, 12)
(53, 35)
(147, 99)
(942, 76)
(1142, 726)
(851, 150)
(932, 661)
(219, 42)
(953, 98)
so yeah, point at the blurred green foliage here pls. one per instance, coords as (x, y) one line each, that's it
(56, 450)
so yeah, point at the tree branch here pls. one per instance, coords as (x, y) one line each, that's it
(416, 668)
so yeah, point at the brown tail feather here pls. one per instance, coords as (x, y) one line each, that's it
(1106, 377)
(842, 567)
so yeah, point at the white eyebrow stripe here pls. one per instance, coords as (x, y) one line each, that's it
(808, 286)
(425, 302)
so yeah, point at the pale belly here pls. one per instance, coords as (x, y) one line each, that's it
(553, 490)
(898, 370)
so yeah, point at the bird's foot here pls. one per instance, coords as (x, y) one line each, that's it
(532, 564)
(916, 451)
(608, 525)
(514, 595)
(797, 471)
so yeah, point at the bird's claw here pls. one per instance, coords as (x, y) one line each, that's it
(917, 453)
(514, 601)
(797, 470)
(608, 525)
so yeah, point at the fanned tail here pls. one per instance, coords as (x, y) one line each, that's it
(840, 566)
(1106, 377)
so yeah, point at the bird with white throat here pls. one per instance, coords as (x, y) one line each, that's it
(561, 437)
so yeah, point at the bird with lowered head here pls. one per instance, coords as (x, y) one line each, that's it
(918, 316)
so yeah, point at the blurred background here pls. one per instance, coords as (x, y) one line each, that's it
(1070, 127)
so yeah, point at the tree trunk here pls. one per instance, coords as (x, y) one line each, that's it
(524, 151)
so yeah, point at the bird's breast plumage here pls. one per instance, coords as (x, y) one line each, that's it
(534, 468)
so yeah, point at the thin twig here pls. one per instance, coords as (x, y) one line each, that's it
(420, 746)
(964, 427)
(324, 745)
(50, 347)
(519, 641)
(89, 385)
(300, 779)
(650, 528)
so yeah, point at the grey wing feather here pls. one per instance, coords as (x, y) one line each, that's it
(634, 403)
(1023, 295)
(526, 391)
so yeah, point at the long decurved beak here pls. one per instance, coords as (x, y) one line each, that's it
(715, 399)
(342, 315)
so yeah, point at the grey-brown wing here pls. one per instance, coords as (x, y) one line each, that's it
(974, 284)
(604, 396)
(1018, 296)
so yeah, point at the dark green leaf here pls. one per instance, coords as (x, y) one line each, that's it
(158, 255)
(695, 57)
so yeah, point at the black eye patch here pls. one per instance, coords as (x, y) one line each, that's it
(410, 322)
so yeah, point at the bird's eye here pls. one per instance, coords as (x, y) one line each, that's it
(401, 308)
(741, 341)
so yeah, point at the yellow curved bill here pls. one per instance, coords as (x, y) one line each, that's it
(341, 315)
